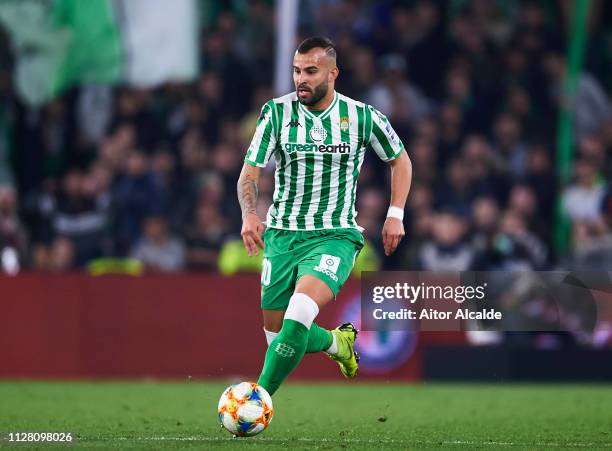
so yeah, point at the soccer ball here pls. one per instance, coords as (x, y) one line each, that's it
(245, 409)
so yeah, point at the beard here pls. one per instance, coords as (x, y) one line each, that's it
(317, 94)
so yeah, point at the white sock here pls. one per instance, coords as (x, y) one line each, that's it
(333, 349)
(270, 335)
(302, 308)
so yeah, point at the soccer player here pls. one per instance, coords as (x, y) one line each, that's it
(318, 138)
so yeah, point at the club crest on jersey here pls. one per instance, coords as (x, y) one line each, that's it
(344, 124)
(318, 133)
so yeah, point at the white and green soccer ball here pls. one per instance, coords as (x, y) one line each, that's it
(245, 409)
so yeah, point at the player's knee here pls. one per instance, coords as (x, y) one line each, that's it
(315, 289)
(302, 308)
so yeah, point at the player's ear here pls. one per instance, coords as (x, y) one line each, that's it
(333, 74)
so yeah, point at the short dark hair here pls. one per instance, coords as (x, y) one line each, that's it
(318, 42)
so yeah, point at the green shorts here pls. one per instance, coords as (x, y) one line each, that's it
(328, 255)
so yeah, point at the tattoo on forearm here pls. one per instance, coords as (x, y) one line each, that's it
(247, 195)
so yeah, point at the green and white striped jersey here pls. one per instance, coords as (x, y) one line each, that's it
(318, 158)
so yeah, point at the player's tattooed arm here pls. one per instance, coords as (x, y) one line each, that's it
(252, 227)
(247, 189)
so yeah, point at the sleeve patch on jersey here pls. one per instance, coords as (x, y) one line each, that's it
(392, 135)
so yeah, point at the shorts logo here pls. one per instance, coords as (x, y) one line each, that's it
(329, 266)
(284, 350)
(318, 133)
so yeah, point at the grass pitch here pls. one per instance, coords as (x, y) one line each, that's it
(359, 416)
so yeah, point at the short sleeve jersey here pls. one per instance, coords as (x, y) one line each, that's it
(318, 158)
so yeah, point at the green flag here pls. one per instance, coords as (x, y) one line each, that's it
(59, 43)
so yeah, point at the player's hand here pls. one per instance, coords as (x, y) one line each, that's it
(252, 231)
(392, 234)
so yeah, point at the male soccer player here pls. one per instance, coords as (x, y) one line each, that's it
(318, 138)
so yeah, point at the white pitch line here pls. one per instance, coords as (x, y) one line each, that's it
(345, 440)
(552, 444)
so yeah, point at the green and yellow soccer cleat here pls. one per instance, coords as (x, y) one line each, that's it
(347, 358)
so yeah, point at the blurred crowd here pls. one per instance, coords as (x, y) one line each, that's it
(473, 88)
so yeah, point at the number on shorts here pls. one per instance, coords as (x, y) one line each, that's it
(266, 272)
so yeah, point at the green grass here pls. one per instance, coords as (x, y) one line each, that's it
(149, 415)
